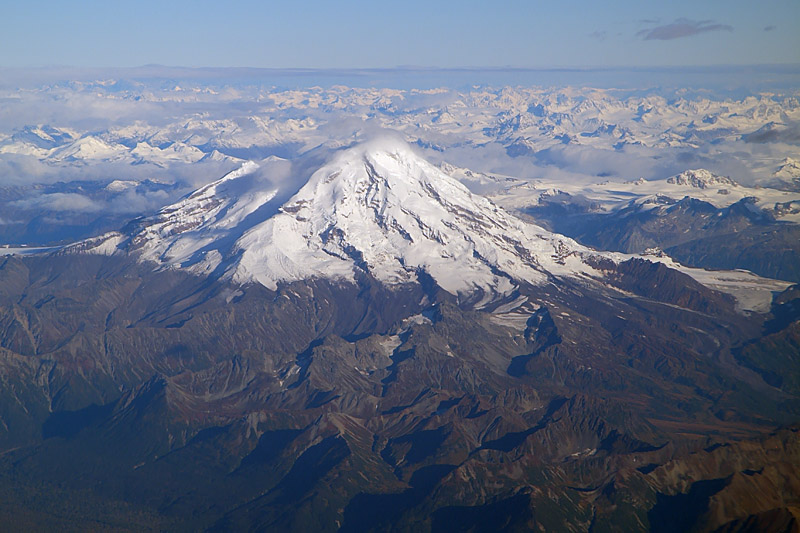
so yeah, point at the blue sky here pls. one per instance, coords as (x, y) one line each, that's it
(354, 33)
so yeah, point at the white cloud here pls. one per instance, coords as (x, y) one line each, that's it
(59, 202)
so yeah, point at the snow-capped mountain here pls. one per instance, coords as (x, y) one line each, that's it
(700, 179)
(90, 148)
(376, 208)
(44, 136)
(381, 208)
(787, 176)
(175, 152)
(789, 168)
(611, 196)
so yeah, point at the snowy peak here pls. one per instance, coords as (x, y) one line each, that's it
(788, 169)
(44, 136)
(380, 208)
(701, 179)
(376, 209)
(175, 152)
(90, 148)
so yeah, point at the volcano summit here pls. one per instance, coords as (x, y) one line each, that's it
(376, 209)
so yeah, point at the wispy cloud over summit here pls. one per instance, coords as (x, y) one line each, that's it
(681, 27)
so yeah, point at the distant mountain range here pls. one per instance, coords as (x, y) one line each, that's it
(696, 217)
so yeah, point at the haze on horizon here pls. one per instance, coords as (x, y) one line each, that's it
(359, 34)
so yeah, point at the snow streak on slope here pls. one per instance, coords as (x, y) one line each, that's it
(194, 231)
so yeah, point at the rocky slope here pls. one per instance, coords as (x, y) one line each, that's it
(197, 404)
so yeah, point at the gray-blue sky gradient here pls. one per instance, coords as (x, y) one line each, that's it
(356, 33)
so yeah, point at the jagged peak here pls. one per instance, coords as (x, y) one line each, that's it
(700, 179)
